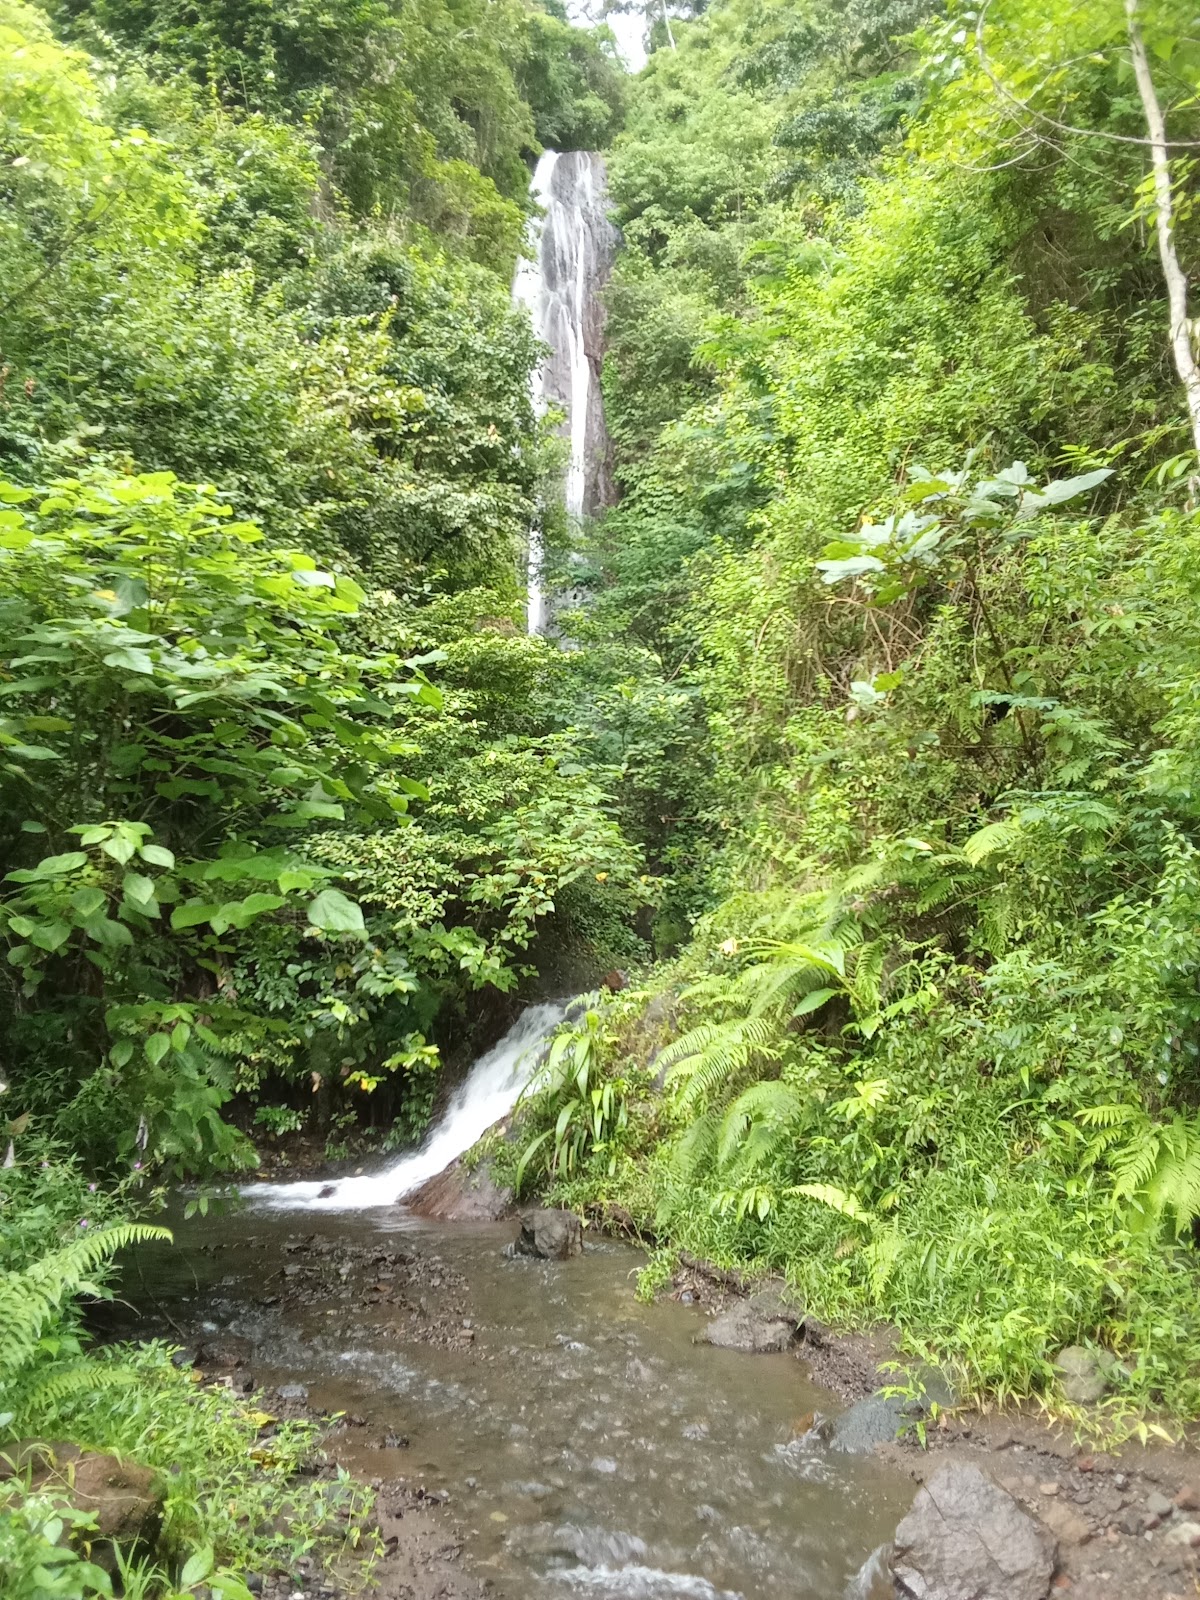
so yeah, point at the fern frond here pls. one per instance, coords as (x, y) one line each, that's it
(81, 1378)
(30, 1299)
(707, 1057)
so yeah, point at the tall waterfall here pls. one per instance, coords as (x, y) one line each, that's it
(569, 256)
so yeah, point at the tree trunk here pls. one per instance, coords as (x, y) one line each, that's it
(1164, 210)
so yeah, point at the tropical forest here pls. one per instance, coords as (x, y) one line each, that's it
(600, 634)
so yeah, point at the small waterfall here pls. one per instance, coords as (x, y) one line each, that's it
(488, 1092)
(570, 253)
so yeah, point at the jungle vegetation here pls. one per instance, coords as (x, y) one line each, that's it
(872, 760)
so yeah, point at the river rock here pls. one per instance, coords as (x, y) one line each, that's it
(767, 1321)
(457, 1195)
(879, 1419)
(552, 1235)
(966, 1536)
(225, 1350)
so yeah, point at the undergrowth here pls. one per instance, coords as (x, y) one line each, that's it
(239, 1491)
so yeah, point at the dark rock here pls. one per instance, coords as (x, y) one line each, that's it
(966, 1536)
(225, 1350)
(552, 1235)
(876, 1420)
(457, 1195)
(767, 1321)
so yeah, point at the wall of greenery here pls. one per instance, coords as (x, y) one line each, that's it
(908, 519)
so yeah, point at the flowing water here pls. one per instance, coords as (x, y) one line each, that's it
(486, 1095)
(569, 254)
(588, 1444)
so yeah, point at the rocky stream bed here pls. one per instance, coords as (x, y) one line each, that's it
(533, 1430)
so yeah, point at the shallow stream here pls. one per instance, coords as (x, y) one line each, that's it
(588, 1445)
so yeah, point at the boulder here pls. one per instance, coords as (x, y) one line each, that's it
(225, 1350)
(552, 1235)
(767, 1321)
(457, 1195)
(1082, 1373)
(966, 1536)
(125, 1499)
(879, 1419)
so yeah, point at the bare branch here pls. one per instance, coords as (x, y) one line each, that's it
(1164, 212)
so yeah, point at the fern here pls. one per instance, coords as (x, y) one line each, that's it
(73, 1381)
(30, 1299)
(1155, 1165)
(706, 1058)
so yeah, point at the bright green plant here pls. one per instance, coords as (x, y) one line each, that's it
(584, 1105)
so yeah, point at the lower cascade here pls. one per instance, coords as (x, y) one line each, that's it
(488, 1092)
(569, 255)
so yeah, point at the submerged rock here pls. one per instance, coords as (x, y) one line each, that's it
(552, 1235)
(457, 1195)
(767, 1321)
(226, 1350)
(966, 1536)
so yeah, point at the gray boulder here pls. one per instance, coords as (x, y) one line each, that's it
(552, 1235)
(768, 1321)
(967, 1537)
(876, 1420)
(1082, 1373)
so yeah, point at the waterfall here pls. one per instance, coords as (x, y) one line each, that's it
(569, 254)
(488, 1092)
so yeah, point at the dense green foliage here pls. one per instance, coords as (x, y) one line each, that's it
(878, 735)
(906, 513)
(286, 794)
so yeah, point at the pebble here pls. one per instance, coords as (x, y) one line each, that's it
(1187, 1499)
(1047, 1488)
(1158, 1505)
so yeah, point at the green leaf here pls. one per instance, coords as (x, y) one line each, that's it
(121, 1053)
(156, 1047)
(193, 913)
(50, 936)
(157, 855)
(197, 1567)
(88, 900)
(50, 867)
(131, 659)
(113, 935)
(139, 891)
(336, 913)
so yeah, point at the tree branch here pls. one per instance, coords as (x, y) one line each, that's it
(1164, 212)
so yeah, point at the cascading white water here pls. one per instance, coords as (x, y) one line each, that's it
(486, 1094)
(569, 254)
